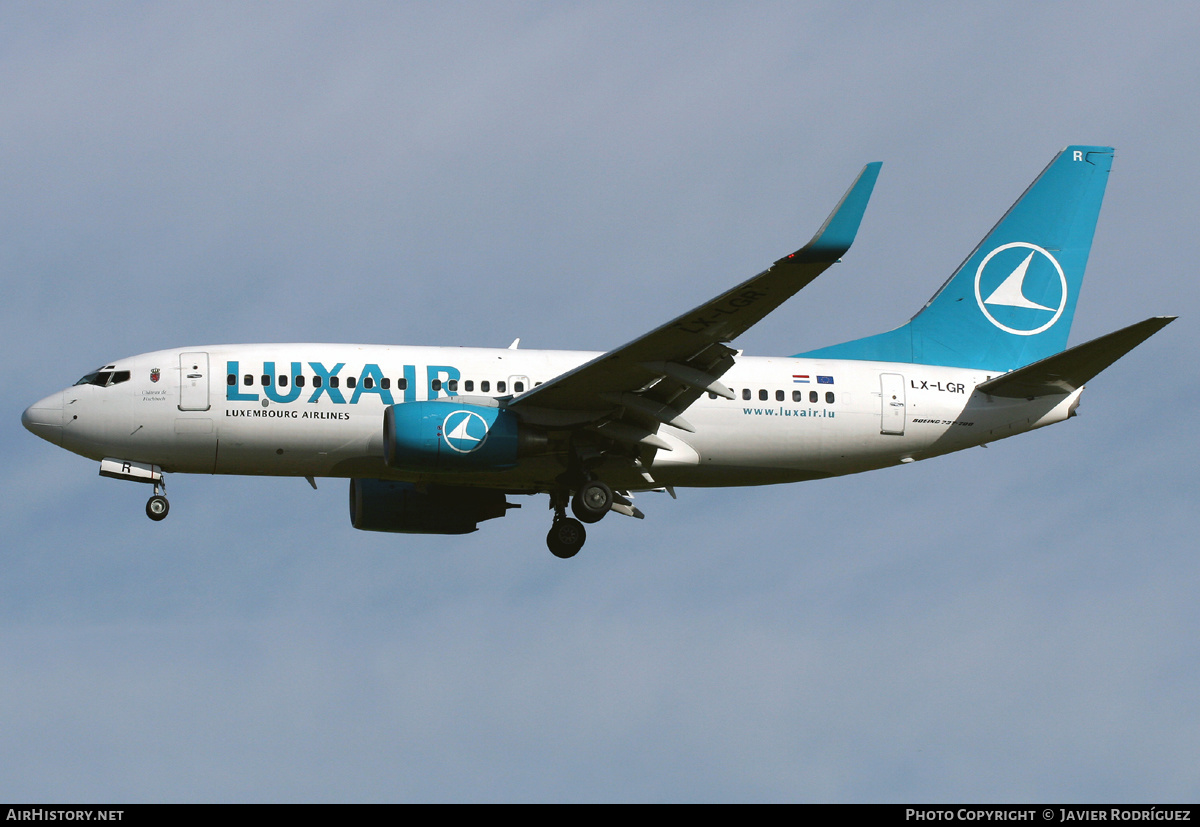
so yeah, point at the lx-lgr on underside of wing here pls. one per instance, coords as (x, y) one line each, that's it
(627, 393)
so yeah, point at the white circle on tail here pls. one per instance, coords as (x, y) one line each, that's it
(1010, 292)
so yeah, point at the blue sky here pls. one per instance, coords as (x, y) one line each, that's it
(1009, 624)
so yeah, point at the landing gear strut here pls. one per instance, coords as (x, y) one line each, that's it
(127, 469)
(157, 506)
(566, 535)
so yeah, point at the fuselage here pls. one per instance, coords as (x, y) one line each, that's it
(317, 410)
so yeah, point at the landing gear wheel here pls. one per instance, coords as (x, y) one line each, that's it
(566, 538)
(157, 507)
(593, 500)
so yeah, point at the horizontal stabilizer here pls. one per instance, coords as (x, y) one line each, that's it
(1068, 371)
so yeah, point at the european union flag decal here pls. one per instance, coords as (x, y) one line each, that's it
(824, 380)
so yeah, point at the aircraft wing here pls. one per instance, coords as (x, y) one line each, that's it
(654, 378)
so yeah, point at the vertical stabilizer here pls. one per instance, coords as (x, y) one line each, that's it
(1012, 301)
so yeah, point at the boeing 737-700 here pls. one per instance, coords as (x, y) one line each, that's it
(435, 439)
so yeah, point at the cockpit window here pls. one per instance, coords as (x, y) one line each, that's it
(104, 377)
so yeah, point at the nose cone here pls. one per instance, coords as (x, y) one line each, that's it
(45, 418)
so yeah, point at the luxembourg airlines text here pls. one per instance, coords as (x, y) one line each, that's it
(285, 413)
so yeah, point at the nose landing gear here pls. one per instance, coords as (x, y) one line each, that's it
(123, 469)
(157, 507)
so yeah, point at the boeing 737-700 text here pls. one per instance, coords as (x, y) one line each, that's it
(434, 440)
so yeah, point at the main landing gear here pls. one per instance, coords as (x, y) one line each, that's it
(566, 537)
(591, 502)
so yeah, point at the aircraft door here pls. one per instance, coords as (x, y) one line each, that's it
(518, 384)
(892, 414)
(193, 382)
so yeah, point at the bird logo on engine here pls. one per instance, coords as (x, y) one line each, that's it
(464, 431)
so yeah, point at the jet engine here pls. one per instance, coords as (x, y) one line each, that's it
(405, 508)
(454, 436)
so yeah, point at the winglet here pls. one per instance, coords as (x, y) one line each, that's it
(837, 233)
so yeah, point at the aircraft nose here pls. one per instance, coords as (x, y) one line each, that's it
(45, 418)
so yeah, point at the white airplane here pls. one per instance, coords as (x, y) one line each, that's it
(435, 439)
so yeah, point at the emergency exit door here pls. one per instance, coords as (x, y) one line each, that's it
(892, 414)
(193, 382)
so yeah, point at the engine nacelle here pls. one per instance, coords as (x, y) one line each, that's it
(402, 507)
(453, 436)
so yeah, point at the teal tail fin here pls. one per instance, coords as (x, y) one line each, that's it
(1012, 301)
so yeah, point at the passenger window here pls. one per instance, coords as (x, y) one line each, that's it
(299, 380)
(518, 387)
(335, 381)
(351, 381)
(501, 387)
(231, 379)
(452, 386)
(385, 383)
(469, 385)
(778, 396)
(247, 380)
(812, 396)
(485, 386)
(266, 380)
(746, 393)
(829, 397)
(283, 381)
(797, 396)
(316, 381)
(368, 382)
(435, 385)
(712, 395)
(762, 395)
(402, 384)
